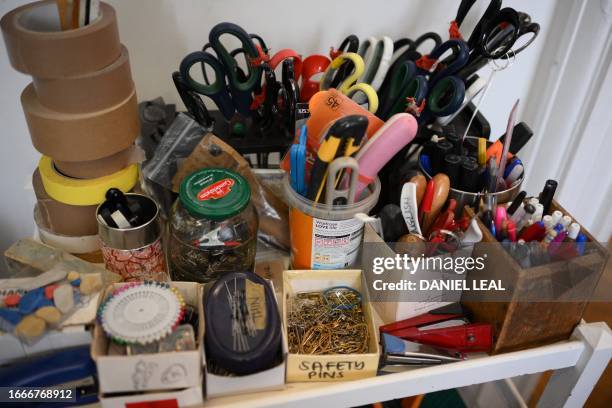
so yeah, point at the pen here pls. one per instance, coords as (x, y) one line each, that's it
(482, 151)
(535, 232)
(573, 231)
(548, 222)
(556, 217)
(426, 203)
(537, 214)
(547, 194)
(507, 141)
(581, 240)
(469, 176)
(566, 220)
(443, 147)
(452, 168)
(511, 230)
(516, 203)
(500, 218)
(528, 211)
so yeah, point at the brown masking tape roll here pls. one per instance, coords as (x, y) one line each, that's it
(60, 218)
(37, 46)
(88, 92)
(82, 136)
(101, 167)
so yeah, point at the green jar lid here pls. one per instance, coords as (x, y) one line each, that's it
(215, 194)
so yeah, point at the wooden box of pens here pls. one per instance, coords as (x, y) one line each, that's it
(546, 291)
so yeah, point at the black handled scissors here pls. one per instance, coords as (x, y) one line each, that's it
(501, 33)
(232, 89)
(349, 44)
(405, 51)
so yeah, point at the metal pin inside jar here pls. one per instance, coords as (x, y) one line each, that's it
(213, 227)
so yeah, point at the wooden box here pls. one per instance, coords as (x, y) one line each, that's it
(520, 324)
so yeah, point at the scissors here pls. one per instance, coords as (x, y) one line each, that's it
(192, 101)
(432, 92)
(376, 56)
(496, 33)
(404, 50)
(232, 89)
(348, 85)
(349, 44)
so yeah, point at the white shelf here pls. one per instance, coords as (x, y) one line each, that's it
(579, 362)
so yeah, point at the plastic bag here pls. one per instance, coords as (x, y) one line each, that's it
(273, 212)
(56, 298)
(178, 142)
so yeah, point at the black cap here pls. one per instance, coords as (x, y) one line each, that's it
(470, 177)
(443, 148)
(516, 203)
(547, 194)
(452, 168)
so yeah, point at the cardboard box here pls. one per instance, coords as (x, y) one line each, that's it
(332, 367)
(393, 311)
(118, 372)
(175, 398)
(271, 379)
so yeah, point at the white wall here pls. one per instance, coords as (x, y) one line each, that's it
(158, 33)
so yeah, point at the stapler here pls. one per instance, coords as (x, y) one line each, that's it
(399, 355)
(66, 368)
(446, 327)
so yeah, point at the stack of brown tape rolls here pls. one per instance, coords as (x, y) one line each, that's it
(82, 114)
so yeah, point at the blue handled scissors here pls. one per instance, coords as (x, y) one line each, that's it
(232, 89)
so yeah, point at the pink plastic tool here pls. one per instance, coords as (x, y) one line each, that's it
(396, 133)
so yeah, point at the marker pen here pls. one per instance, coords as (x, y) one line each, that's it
(443, 147)
(511, 230)
(573, 231)
(547, 194)
(566, 220)
(528, 213)
(556, 216)
(522, 254)
(581, 240)
(548, 222)
(533, 201)
(516, 203)
(534, 232)
(539, 211)
(452, 168)
(426, 163)
(517, 172)
(469, 176)
(500, 218)
(518, 214)
(550, 236)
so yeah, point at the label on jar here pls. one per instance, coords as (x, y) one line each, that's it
(256, 303)
(335, 244)
(218, 189)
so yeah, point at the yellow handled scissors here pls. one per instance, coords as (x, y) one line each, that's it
(348, 86)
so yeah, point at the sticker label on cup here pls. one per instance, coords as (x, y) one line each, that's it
(335, 244)
(146, 263)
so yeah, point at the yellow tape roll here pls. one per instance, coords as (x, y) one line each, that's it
(84, 191)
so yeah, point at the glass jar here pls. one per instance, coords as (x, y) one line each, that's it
(213, 227)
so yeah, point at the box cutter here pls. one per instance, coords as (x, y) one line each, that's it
(444, 327)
